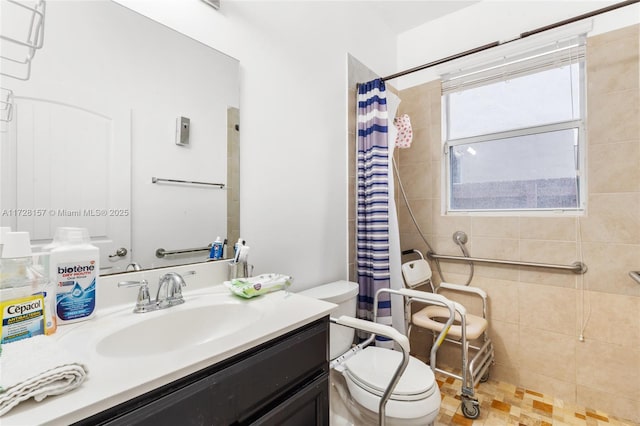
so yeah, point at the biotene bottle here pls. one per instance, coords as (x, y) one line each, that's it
(74, 268)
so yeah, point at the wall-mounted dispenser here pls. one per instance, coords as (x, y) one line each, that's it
(182, 131)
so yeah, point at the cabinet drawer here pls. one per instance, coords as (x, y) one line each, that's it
(307, 407)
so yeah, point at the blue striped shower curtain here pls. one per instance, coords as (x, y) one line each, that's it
(372, 226)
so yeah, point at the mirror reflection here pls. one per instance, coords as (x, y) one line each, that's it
(124, 127)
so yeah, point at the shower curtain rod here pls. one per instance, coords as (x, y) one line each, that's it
(521, 36)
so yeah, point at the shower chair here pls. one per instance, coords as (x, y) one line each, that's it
(466, 328)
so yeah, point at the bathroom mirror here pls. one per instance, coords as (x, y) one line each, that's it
(123, 126)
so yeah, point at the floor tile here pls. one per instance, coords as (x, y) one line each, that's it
(501, 404)
(505, 404)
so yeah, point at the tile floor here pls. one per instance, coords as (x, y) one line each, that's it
(500, 404)
(505, 404)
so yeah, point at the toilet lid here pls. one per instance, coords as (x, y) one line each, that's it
(373, 367)
(335, 292)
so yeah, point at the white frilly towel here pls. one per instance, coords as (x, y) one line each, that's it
(36, 368)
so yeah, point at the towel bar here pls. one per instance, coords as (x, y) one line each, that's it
(635, 275)
(192, 182)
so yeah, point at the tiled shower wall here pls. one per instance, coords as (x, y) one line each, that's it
(536, 316)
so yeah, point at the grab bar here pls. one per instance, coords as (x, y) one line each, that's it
(192, 182)
(575, 267)
(160, 253)
(400, 339)
(391, 333)
(635, 275)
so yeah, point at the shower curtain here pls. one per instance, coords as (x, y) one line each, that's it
(395, 257)
(372, 223)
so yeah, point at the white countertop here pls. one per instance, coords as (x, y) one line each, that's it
(114, 380)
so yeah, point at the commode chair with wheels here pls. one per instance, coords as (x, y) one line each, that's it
(466, 328)
(388, 382)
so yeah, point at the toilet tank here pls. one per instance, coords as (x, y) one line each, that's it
(345, 295)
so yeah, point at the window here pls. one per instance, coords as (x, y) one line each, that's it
(514, 132)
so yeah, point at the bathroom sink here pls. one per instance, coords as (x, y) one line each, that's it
(196, 322)
(176, 330)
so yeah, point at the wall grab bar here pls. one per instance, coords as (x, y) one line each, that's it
(575, 267)
(192, 182)
(635, 275)
(160, 253)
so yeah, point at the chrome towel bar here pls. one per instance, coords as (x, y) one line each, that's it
(160, 253)
(191, 182)
(635, 275)
(575, 267)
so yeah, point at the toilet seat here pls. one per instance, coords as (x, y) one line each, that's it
(368, 374)
(373, 368)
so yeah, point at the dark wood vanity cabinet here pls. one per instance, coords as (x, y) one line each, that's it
(282, 382)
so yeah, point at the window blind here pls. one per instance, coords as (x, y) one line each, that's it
(556, 54)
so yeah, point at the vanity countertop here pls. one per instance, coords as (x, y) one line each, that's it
(114, 380)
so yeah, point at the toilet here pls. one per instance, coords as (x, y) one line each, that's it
(368, 372)
(345, 295)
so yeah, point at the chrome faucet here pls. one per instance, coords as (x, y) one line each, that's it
(169, 292)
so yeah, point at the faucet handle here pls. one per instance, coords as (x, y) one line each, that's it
(133, 283)
(143, 302)
(143, 294)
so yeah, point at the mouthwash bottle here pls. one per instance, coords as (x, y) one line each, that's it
(73, 267)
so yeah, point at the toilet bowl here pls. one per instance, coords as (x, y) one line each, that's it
(368, 372)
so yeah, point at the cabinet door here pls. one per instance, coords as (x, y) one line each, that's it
(307, 407)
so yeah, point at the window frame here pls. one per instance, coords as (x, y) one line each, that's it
(580, 151)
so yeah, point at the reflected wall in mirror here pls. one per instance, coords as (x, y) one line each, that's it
(98, 119)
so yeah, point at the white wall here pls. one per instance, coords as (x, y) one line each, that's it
(489, 21)
(293, 109)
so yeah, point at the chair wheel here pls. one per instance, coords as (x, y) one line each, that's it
(484, 377)
(470, 408)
